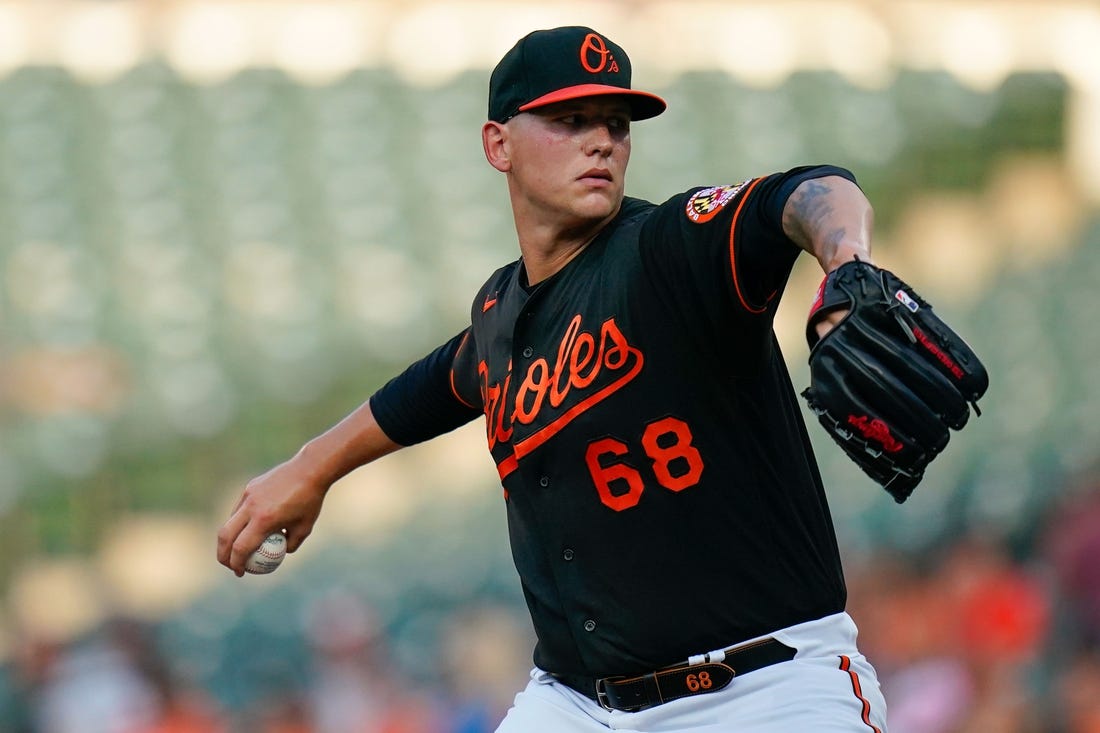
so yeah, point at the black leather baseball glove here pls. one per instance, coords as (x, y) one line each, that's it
(890, 379)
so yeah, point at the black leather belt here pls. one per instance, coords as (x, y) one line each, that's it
(714, 672)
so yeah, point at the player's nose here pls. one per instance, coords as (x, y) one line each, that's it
(599, 139)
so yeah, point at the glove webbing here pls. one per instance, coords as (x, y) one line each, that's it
(850, 437)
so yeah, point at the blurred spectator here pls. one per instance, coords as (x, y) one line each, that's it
(1072, 545)
(353, 686)
(32, 662)
(1002, 622)
(929, 696)
(283, 714)
(94, 685)
(954, 636)
(183, 707)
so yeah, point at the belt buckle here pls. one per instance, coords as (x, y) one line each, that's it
(601, 693)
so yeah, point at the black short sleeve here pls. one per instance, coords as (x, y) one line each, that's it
(719, 255)
(433, 396)
(731, 235)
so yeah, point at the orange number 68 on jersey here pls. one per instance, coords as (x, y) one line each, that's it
(676, 463)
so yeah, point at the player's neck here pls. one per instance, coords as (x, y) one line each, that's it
(546, 249)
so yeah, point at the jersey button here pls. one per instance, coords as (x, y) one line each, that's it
(590, 625)
(527, 352)
(544, 482)
(568, 554)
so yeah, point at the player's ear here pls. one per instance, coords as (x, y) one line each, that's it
(494, 139)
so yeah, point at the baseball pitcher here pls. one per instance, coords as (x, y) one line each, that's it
(665, 511)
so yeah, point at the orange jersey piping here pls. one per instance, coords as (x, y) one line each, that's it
(733, 262)
(454, 390)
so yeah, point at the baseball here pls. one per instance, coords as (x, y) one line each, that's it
(268, 556)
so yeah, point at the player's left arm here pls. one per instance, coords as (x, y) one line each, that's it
(832, 219)
(888, 378)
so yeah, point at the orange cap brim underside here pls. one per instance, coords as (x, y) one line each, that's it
(644, 104)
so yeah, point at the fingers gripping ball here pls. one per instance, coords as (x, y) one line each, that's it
(889, 381)
(267, 556)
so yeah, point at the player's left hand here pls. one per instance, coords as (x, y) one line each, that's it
(888, 378)
(829, 321)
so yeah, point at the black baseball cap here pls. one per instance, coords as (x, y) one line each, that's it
(554, 65)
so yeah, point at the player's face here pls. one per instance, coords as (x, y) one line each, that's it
(569, 159)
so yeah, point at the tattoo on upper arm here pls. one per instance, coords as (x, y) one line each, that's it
(809, 210)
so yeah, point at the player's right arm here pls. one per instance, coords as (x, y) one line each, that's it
(290, 495)
(431, 397)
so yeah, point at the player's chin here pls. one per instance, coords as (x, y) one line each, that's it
(598, 203)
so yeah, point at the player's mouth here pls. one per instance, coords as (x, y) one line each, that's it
(596, 177)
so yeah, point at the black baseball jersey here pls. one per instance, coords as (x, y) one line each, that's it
(661, 492)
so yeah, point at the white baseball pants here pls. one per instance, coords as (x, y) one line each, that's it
(829, 687)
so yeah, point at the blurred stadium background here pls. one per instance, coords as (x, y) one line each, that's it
(223, 224)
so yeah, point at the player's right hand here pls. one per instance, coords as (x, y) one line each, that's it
(288, 497)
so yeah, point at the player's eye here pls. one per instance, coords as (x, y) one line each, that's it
(579, 120)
